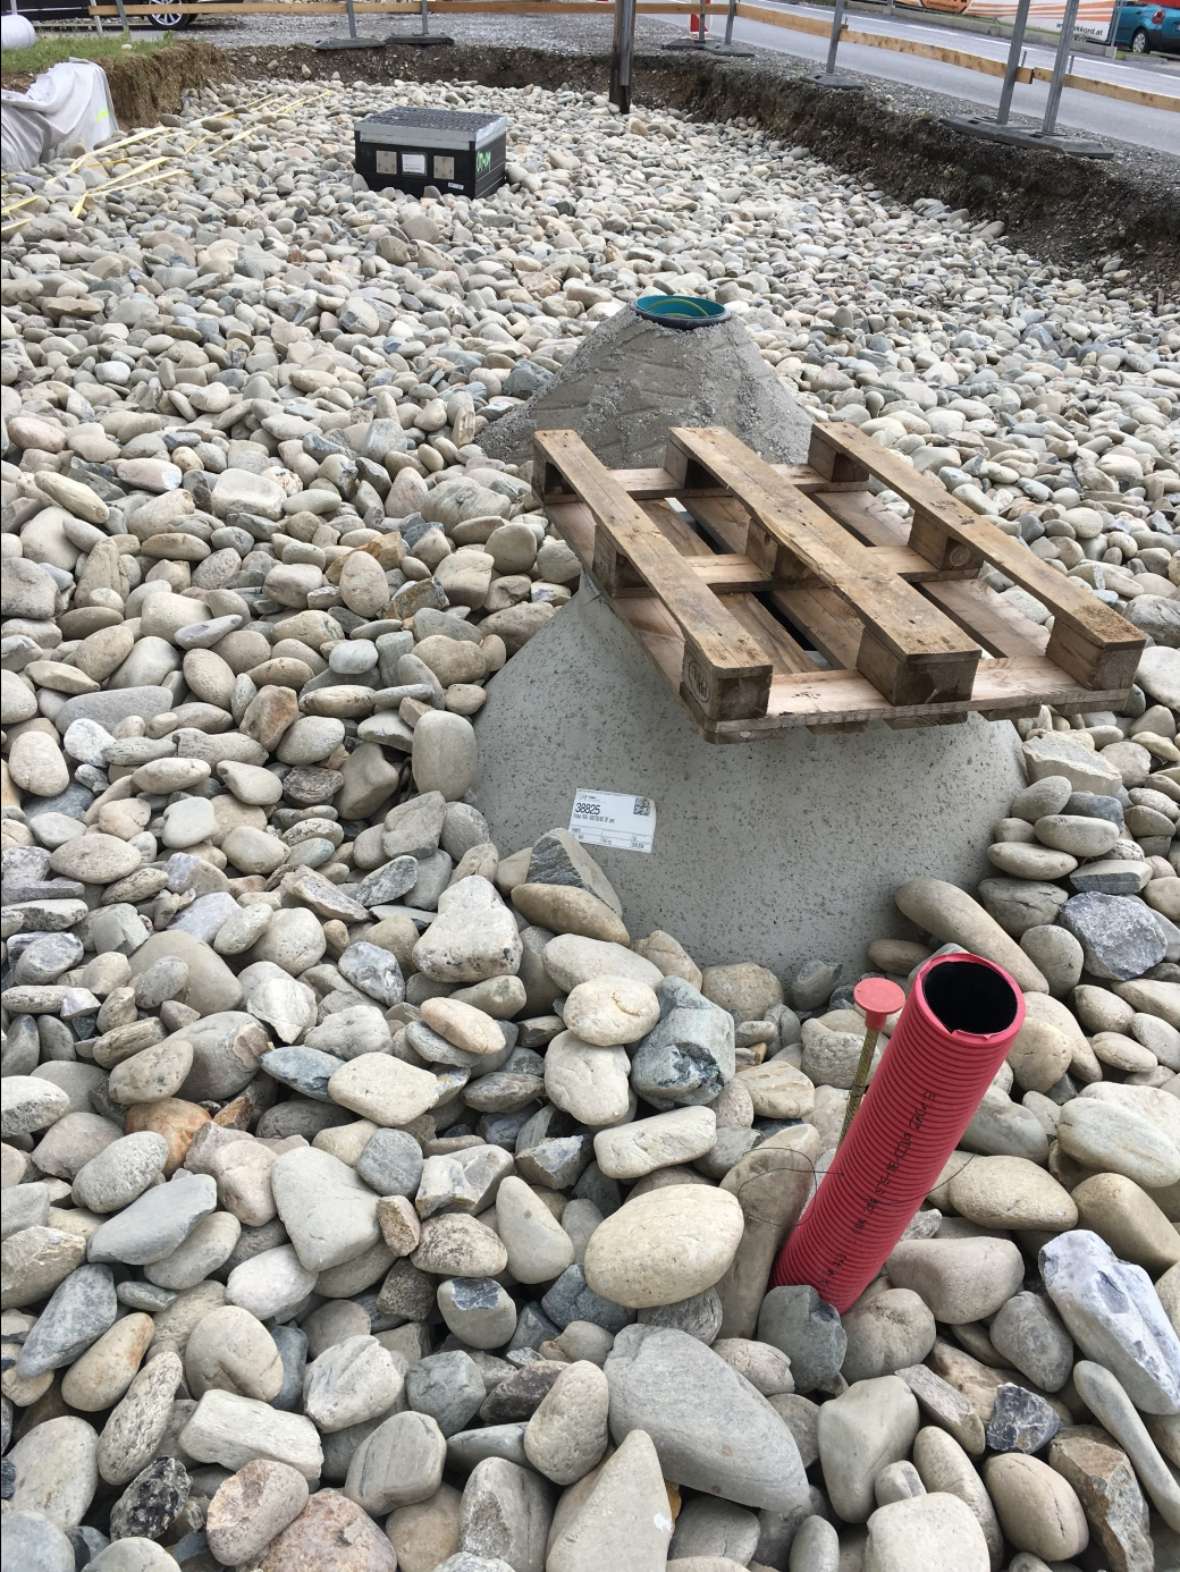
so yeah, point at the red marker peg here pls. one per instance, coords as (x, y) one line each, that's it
(878, 998)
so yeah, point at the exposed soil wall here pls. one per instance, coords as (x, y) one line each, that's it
(1066, 210)
(144, 87)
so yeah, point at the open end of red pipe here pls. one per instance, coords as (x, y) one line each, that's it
(967, 997)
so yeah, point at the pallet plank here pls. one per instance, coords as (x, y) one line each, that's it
(1000, 684)
(1000, 628)
(908, 649)
(804, 565)
(655, 482)
(726, 673)
(1089, 640)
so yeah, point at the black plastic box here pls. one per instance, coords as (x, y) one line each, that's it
(451, 149)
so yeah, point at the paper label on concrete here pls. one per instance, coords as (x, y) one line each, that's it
(613, 818)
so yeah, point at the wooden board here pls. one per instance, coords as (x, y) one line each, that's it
(907, 649)
(725, 672)
(1088, 640)
(774, 596)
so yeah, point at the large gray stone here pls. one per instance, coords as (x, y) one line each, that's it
(157, 1223)
(867, 1427)
(113, 706)
(712, 1430)
(809, 1331)
(1118, 934)
(80, 1311)
(506, 1513)
(622, 1520)
(31, 1543)
(330, 1214)
(1114, 1313)
(688, 1056)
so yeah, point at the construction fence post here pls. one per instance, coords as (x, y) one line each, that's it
(829, 76)
(1079, 144)
(1060, 65)
(1019, 23)
(622, 55)
(354, 40)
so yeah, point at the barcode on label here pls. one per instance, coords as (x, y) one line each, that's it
(642, 808)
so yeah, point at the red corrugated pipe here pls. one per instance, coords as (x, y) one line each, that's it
(958, 1023)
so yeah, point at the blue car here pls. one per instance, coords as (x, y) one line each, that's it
(1141, 28)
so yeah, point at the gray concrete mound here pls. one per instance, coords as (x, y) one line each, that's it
(777, 851)
(632, 378)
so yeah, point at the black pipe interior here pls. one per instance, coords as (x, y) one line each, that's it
(968, 997)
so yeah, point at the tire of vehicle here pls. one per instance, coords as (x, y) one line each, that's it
(170, 21)
(1140, 43)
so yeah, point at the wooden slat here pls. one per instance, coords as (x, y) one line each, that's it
(787, 654)
(676, 525)
(656, 482)
(857, 511)
(655, 628)
(999, 685)
(1000, 628)
(730, 573)
(1089, 640)
(833, 629)
(726, 673)
(909, 650)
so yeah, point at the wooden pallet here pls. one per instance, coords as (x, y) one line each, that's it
(781, 595)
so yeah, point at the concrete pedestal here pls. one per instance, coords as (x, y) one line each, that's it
(777, 851)
(631, 379)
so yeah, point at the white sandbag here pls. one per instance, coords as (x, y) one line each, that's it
(68, 104)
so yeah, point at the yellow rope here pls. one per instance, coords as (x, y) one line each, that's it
(109, 147)
(112, 185)
(271, 107)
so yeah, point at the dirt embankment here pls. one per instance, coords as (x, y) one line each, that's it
(148, 84)
(144, 87)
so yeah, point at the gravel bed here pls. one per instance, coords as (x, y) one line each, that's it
(591, 36)
(376, 1195)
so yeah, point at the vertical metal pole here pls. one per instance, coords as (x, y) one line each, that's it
(731, 17)
(622, 55)
(1064, 45)
(834, 41)
(351, 18)
(123, 18)
(702, 23)
(1019, 23)
(425, 17)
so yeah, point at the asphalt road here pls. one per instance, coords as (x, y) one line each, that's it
(1154, 128)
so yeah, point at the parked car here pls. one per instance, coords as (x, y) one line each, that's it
(1142, 28)
(75, 10)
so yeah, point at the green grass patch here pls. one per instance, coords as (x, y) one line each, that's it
(48, 51)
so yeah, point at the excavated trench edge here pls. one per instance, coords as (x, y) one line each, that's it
(1059, 210)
